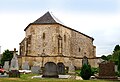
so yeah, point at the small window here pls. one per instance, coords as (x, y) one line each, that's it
(43, 35)
(43, 50)
(64, 38)
(79, 49)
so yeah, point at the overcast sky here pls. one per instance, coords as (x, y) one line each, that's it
(99, 19)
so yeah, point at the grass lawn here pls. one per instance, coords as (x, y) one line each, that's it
(27, 78)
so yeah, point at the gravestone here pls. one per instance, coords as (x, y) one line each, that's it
(71, 69)
(107, 70)
(14, 69)
(6, 66)
(61, 68)
(116, 68)
(25, 66)
(84, 60)
(50, 70)
(35, 69)
(14, 62)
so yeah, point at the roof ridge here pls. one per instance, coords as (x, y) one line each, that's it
(56, 19)
(47, 18)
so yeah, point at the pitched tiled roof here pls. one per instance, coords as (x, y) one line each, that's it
(49, 18)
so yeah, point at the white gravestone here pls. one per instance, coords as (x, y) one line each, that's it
(6, 66)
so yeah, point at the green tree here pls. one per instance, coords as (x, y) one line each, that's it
(115, 57)
(86, 72)
(7, 56)
(109, 57)
(117, 48)
(115, 54)
(104, 57)
(119, 63)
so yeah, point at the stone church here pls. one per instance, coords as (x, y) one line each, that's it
(48, 40)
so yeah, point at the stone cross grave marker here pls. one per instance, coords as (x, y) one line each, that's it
(14, 68)
(14, 62)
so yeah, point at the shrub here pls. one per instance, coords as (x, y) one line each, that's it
(86, 72)
(7, 56)
(94, 70)
(117, 74)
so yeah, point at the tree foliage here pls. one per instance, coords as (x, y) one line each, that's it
(7, 56)
(114, 56)
(117, 48)
(119, 63)
(106, 58)
(109, 57)
(86, 72)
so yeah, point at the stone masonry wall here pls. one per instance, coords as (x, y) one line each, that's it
(42, 60)
(43, 40)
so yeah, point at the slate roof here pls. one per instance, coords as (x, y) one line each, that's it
(49, 18)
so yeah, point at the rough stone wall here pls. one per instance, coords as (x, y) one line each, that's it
(77, 44)
(73, 43)
(20, 62)
(66, 36)
(23, 47)
(81, 45)
(67, 61)
(44, 60)
(43, 40)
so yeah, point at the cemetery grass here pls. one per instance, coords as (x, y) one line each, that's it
(27, 78)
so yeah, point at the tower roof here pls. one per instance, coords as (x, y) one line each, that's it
(47, 18)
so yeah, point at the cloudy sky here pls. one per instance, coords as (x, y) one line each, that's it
(99, 19)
